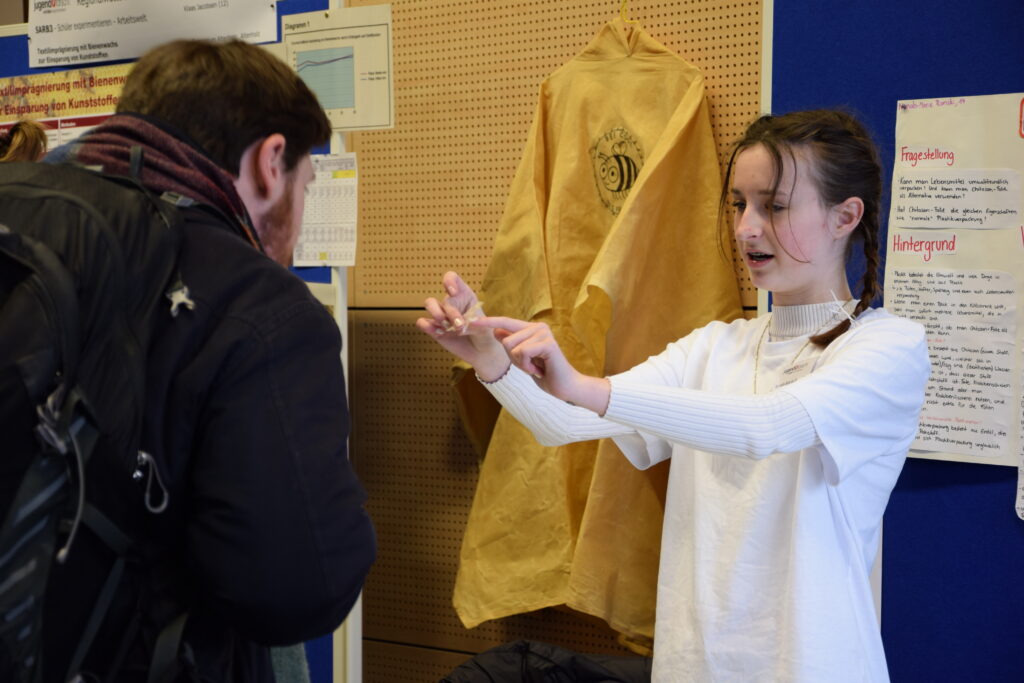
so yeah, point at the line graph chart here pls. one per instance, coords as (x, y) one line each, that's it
(344, 56)
(330, 73)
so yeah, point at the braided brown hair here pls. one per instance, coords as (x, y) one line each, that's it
(843, 163)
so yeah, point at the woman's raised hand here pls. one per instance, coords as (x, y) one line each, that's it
(533, 349)
(489, 344)
(449, 322)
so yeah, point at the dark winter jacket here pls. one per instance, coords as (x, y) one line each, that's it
(265, 540)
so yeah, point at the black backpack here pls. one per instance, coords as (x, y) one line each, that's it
(87, 262)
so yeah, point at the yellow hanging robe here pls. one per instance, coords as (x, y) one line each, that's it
(609, 236)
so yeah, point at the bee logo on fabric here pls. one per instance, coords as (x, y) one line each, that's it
(617, 159)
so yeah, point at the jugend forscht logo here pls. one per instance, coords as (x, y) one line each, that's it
(617, 159)
(46, 5)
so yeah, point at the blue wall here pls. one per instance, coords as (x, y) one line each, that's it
(953, 559)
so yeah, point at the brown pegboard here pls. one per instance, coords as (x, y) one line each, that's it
(467, 75)
(421, 472)
(391, 663)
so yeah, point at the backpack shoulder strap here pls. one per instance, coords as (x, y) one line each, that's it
(119, 543)
(39, 350)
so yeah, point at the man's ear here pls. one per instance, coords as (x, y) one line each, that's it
(847, 215)
(261, 177)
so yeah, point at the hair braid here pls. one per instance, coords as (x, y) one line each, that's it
(869, 281)
(869, 289)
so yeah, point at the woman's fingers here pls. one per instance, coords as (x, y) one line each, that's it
(429, 326)
(528, 345)
(530, 356)
(433, 307)
(453, 313)
(496, 322)
(436, 311)
(447, 315)
(531, 333)
(453, 284)
(459, 293)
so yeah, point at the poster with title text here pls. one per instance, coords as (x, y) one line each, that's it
(68, 103)
(71, 32)
(956, 264)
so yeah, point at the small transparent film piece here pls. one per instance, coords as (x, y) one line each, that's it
(474, 312)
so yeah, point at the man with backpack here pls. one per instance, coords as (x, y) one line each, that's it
(232, 521)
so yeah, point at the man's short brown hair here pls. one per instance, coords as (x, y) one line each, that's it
(225, 96)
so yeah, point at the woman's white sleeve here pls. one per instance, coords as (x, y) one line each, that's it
(552, 421)
(750, 426)
(865, 401)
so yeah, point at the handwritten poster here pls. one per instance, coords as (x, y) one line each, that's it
(1020, 432)
(972, 198)
(970, 317)
(956, 265)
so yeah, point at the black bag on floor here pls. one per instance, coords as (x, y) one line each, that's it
(86, 262)
(525, 661)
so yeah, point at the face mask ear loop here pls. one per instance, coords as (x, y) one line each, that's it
(841, 308)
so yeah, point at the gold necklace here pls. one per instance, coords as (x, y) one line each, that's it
(792, 362)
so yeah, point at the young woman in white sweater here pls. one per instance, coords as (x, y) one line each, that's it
(786, 432)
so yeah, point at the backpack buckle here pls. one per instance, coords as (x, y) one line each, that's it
(49, 429)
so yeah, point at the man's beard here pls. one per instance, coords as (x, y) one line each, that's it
(276, 230)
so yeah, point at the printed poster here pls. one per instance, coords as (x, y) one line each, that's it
(67, 103)
(344, 56)
(328, 236)
(71, 32)
(61, 94)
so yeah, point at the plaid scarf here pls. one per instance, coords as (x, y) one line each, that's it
(170, 164)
